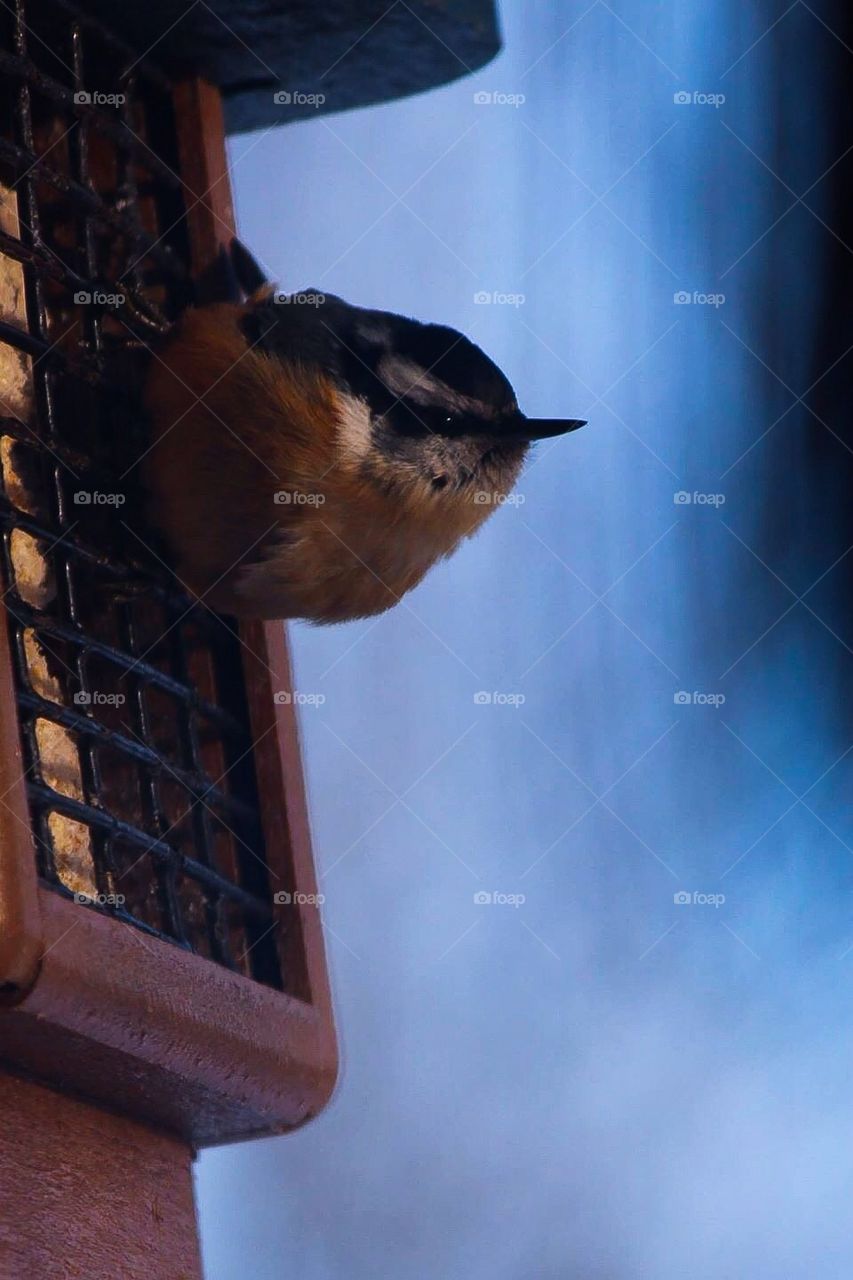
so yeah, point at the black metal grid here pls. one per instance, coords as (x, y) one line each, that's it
(131, 699)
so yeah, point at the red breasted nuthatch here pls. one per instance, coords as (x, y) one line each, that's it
(313, 459)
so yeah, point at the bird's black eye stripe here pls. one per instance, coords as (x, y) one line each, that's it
(423, 420)
(409, 420)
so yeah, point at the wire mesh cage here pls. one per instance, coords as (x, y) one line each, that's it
(138, 747)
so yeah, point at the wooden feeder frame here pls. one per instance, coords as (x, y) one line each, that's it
(193, 1038)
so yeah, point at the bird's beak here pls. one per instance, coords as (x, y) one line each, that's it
(544, 428)
(527, 429)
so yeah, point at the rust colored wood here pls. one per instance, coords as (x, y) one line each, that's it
(20, 928)
(131, 1022)
(204, 171)
(266, 654)
(281, 789)
(164, 1035)
(90, 1196)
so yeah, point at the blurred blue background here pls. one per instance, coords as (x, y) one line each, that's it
(599, 1080)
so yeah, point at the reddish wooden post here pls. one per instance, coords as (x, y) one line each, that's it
(91, 1195)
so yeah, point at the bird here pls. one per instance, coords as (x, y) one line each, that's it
(311, 459)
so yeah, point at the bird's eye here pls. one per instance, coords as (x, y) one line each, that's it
(448, 421)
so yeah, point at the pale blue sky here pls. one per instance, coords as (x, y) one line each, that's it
(599, 1082)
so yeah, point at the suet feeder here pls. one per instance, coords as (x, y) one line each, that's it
(163, 984)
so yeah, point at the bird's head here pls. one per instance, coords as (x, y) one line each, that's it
(426, 414)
